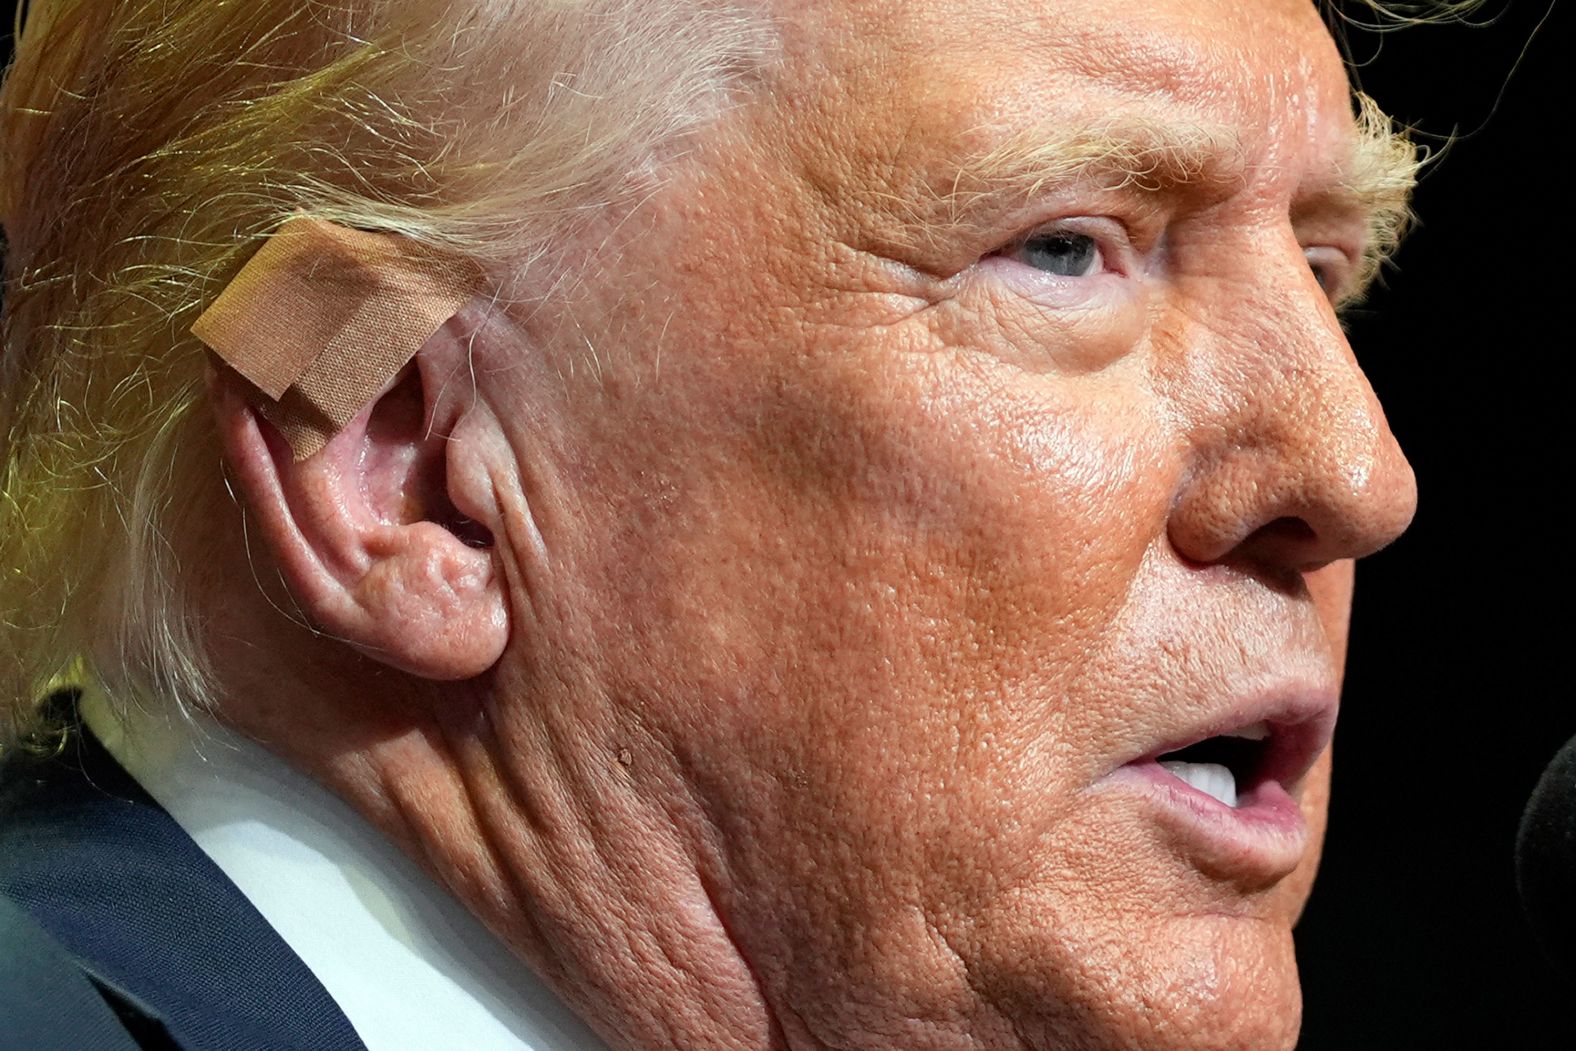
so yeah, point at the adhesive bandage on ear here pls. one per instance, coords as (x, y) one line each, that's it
(323, 316)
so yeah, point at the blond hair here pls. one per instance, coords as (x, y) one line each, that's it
(146, 149)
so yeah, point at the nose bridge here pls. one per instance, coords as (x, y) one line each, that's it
(1290, 451)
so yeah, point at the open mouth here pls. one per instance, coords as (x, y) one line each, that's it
(1224, 767)
(1232, 789)
(1236, 765)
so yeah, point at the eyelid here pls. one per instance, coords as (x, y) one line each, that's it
(1110, 235)
(1339, 260)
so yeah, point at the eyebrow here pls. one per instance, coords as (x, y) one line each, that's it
(1123, 150)
(1378, 177)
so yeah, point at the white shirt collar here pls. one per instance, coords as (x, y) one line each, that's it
(409, 966)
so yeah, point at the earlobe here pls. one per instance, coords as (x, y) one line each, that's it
(375, 548)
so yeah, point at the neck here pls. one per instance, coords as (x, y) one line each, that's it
(338, 892)
(607, 900)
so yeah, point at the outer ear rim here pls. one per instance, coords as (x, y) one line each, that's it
(248, 454)
(413, 596)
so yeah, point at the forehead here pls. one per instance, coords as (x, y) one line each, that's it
(913, 83)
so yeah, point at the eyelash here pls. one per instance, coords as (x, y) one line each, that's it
(1110, 237)
(1331, 266)
(1332, 275)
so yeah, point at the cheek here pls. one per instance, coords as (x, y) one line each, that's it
(973, 531)
(880, 608)
(884, 595)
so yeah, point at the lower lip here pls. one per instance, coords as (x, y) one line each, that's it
(1261, 839)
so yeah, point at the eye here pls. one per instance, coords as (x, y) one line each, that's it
(1330, 267)
(1083, 262)
(1064, 253)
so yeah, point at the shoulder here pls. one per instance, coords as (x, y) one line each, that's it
(98, 879)
(54, 810)
(46, 1002)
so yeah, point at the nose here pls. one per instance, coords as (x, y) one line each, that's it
(1291, 463)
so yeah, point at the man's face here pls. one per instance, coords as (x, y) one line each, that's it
(911, 489)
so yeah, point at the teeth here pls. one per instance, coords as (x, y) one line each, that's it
(1210, 778)
(1256, 732)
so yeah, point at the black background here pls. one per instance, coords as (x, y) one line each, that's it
(1455, 696)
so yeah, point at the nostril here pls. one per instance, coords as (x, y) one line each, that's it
(1286, 530)
(1288, 547)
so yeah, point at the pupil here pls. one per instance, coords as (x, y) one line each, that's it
(1067, 255)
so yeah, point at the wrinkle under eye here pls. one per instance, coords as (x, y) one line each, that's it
(1064, 254)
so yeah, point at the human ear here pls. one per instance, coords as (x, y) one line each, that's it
(384, 537)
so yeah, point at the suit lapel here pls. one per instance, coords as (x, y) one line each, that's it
(111, 876)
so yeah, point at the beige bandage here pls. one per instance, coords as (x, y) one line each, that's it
(323, 316)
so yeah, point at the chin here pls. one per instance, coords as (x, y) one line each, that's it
(1201, 983)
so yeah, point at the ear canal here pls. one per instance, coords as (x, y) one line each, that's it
(470, 532)
(408, 467)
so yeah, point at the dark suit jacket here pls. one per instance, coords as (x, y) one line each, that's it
(117, 931)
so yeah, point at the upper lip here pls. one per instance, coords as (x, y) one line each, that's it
(1301, 722)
